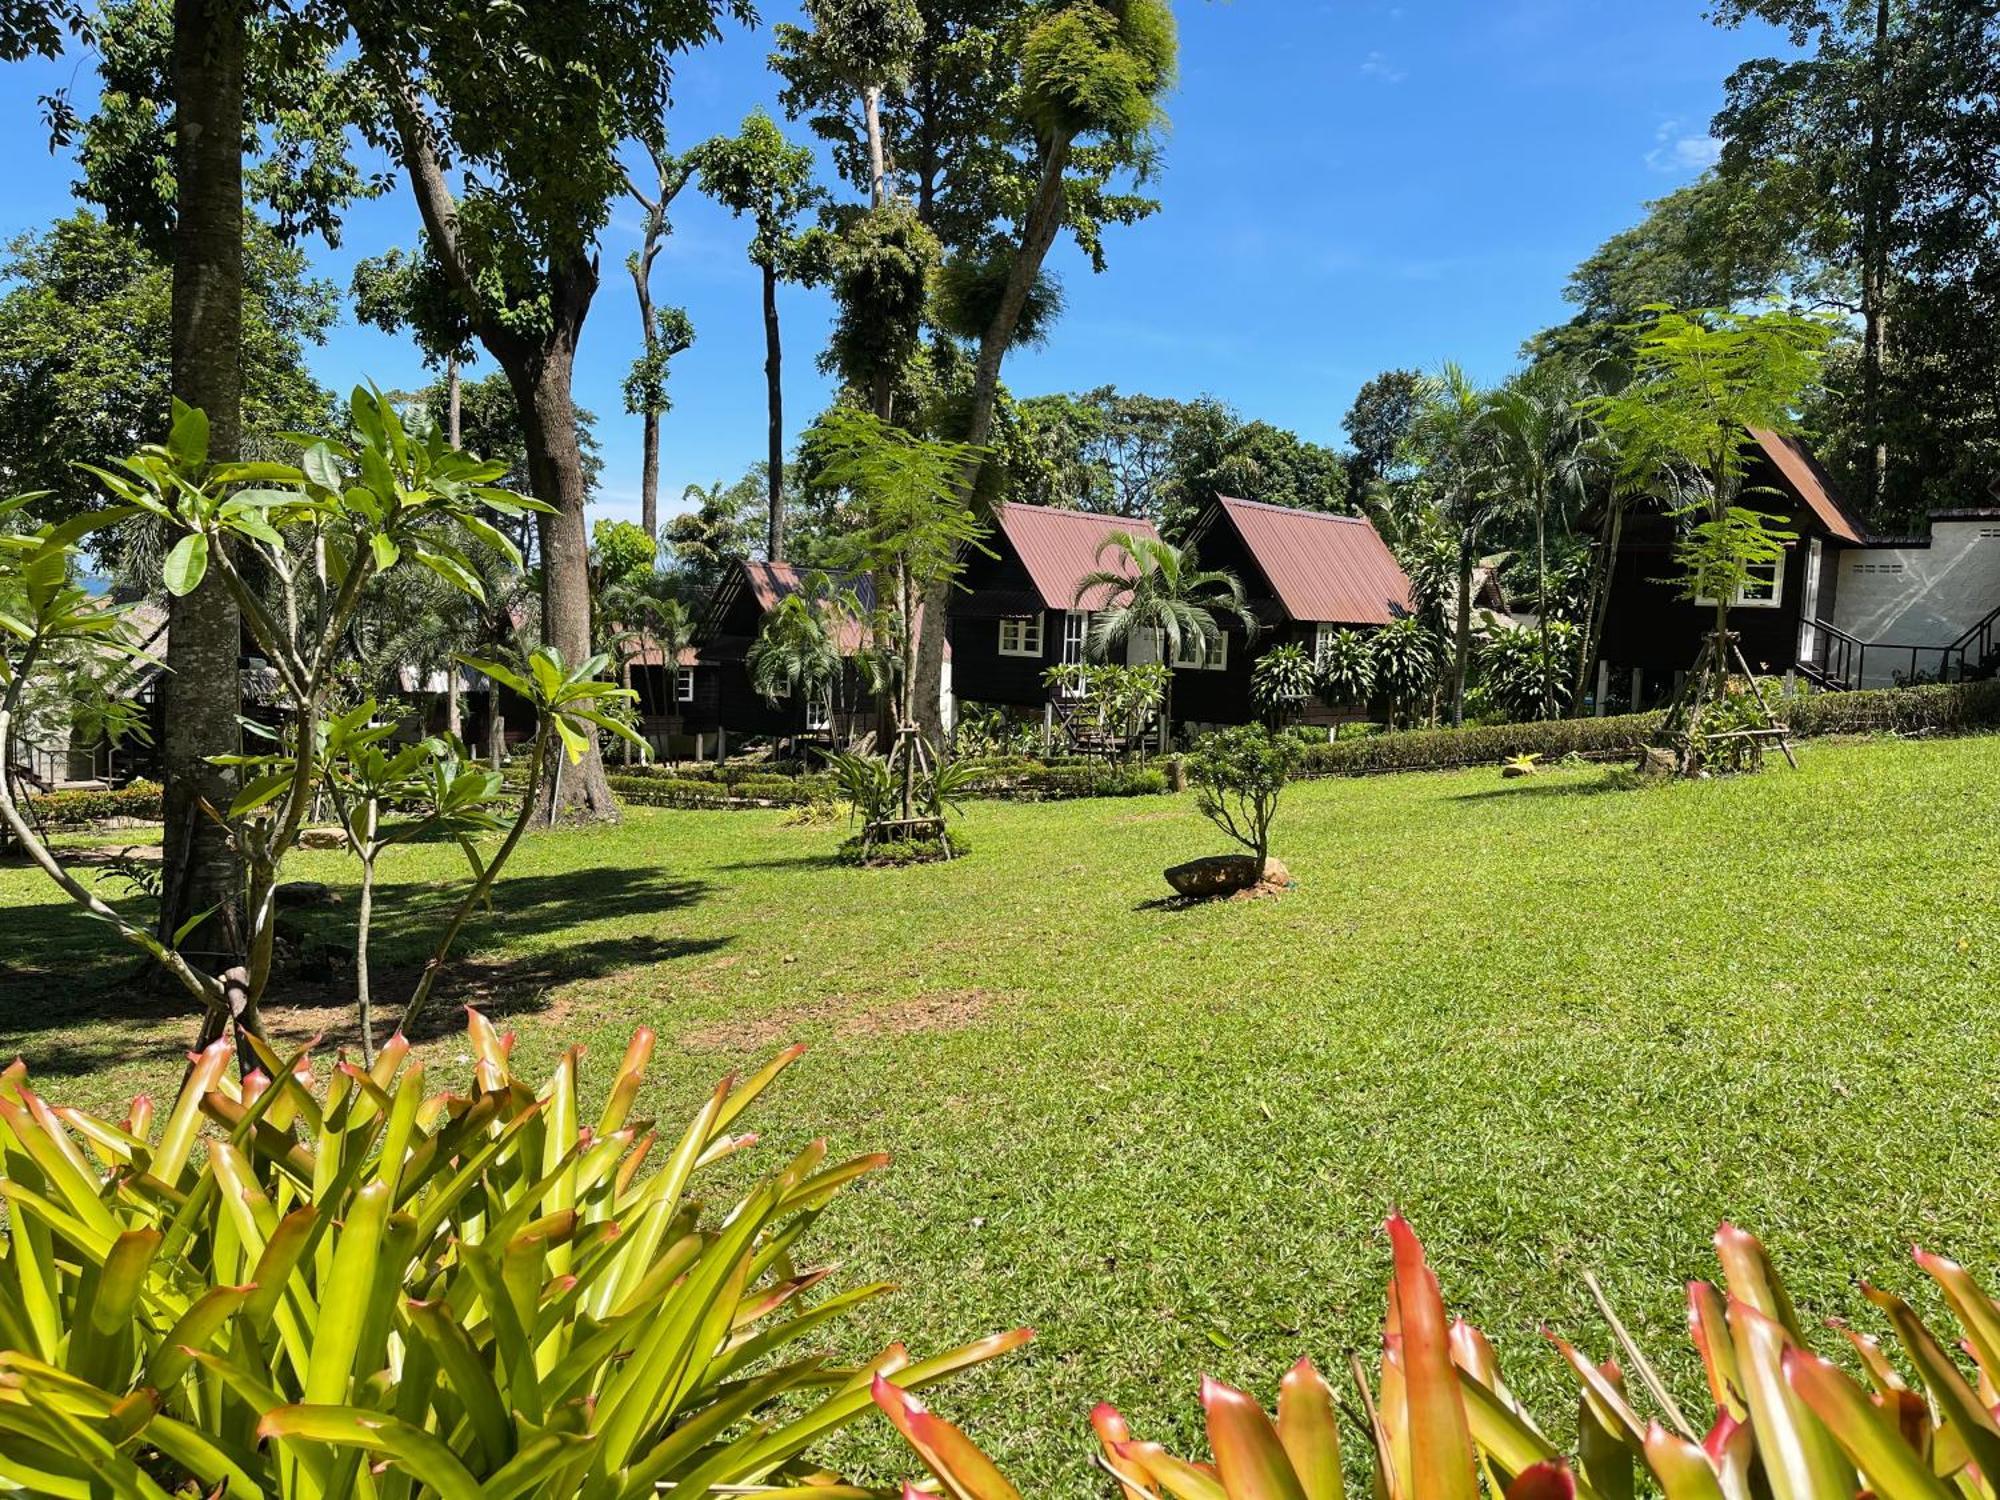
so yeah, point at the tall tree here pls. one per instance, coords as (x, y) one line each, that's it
(852, 50)
(1015, 122)
(1377, 425)
(1826, 128)
(515, 235)
(758, 173)
(201, 102)
(666, 332)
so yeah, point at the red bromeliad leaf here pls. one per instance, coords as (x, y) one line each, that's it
(1869, 1437)
(1310, 1430)
(1113, 1435)
(1800, 1458)
(967, 1473)
(1751, 1278)
(1966, 1424)
(1473, 1353)
(1974, 1310)
(1681, 1467)
(1249, 1459)
(1442, 1465)
(1545, 1481)
(1708, 1326)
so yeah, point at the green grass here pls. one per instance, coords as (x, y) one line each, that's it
(1562, 1026)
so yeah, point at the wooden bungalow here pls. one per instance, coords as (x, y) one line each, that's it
(1844, 608)
(1016, 613)
(708, 694)
(1306, 574)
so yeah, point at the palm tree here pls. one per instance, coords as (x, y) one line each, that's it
(647, 611)
(1452, 444)
(1405, 662)
(797, 652)
(1163, 591)
(1546, 446)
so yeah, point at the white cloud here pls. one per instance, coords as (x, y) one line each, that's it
(1377, 65)
(1680, 154)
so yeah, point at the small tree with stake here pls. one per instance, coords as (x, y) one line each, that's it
(913, 534)
(1702, 380)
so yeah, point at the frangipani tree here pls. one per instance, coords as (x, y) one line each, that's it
(297, 547)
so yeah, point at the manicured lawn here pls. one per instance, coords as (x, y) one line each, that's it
(1563, 1026)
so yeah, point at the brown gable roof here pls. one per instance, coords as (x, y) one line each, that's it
(1059, 548)
(1322, 567)
(1803, 473)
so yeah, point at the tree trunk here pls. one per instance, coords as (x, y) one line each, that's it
(453, 406)
(1461, 665)
(1547, 708)
(649, 464)
(1874, 264)
(454, 717)
(555, 470)
(871, 110)
(774, 540)
(1045, 219)
(203, 679)
(1600, 604)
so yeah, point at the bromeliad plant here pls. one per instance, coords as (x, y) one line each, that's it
(373, 1289)
(1438, 1421)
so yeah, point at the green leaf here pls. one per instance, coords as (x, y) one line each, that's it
(415, 1450)
(186, 565)
(188, 439)
(181, 932)
(385, 549)
(505, 676)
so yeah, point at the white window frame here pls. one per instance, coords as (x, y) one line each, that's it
(1027, 633)
(819, 714)
(684, 684)
(1076, 631)
(1214, 658)
(1323, 634)
(1747, 600)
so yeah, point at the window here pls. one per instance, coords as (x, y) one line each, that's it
(1192, 654)
(819, 714)
(1076, 625)
(1764, 590)
(684, 684)
(1021, 635)
(1323, 634)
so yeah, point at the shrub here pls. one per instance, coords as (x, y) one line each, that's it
(1238, 775)
(1527, 676)
(891, 853)
(77, 808)
(466, 1294)
(1059, 782)
(1438, 1417)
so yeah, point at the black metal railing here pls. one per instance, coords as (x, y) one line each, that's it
(1836, 659)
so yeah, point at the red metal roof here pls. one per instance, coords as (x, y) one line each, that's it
(1803, 473)
(1322, 567)
(1060, 548)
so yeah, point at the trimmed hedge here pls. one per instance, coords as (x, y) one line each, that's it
(1053, 783)
(745, 791)
(138, 800)
(1944, 708)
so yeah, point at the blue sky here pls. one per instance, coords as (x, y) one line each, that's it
(1349, 185)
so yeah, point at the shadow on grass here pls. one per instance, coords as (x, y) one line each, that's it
(75, 1004)
(828, 860)
(1616, 781)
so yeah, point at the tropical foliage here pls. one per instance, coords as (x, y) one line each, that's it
(369, 1287)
